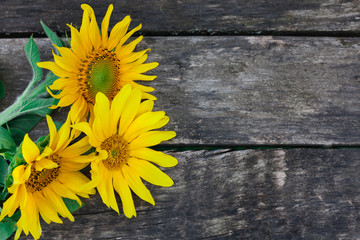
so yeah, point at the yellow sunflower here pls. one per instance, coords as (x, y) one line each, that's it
(98, 62)
(121, 132)
(47, 177)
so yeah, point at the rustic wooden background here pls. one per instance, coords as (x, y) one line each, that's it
(265, 98)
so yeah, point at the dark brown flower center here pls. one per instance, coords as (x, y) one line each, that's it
(99, 72)
(38, 180)
(117, 149)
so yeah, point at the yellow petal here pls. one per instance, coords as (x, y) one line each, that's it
(85, 128)
(130, 110)
(105, 25)
(105, 188)
(84, 29)
(136, 76)
(61, 83)
(161, 159)
(118, 104)
(150, 173)
(145, 95)
(145, 67)
(76, 149)
(30, 214)
(124, 51)
(63, 191)
(137, 185)
(58, 203)
(118, 32)
(142, 124)
(76, 43)
(29, 149)
(101, 126)
(67, 53)
(8, 205)
(69, 165)
(47, 152)
(45, 163)
(134, 56)
(94, 28)
(63, 137)
(145, 106)
(52, 130)
(18, 233)
(79, 111)
(124, 192)
(76, 181)
(19, 175)
(128, 35)
(67, 100)
(132, 66)
(46, 208)
(67, 64)
(56, 69)
(151, 138)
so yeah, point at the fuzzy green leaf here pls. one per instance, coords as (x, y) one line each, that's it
(6, 229)
(6, 141)
(8, 225)
(40, 90)
(24, 123)
(39, 106)
(72, 205)
(53, 37)
(32, 54)
(17, 135)
(3, 171)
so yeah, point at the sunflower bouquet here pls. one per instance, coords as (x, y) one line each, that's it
(109, 129)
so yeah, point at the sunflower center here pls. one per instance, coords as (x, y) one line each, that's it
(99, 72)
(38, 180)
(117, 149)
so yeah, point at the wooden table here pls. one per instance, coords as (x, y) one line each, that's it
(264, 97)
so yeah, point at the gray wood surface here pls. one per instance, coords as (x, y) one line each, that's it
(287, 98)
(191, 17)
(251, 194)
(239, 90)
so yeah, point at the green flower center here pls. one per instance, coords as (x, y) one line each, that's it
(38, 180)
(117, 149)
(99, 73)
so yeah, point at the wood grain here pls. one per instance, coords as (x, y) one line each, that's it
(189, 16)
(239, 90)
(251, 194)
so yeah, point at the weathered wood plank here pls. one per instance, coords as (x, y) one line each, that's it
(239, 90)
(204, 17)
(251, 194)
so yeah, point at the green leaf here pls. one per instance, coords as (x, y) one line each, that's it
(6, 229)
(58, 125)
(2, 90)
(6, 141)
(40, 90)
(72, 205)
(3, 171)
(8, 225)
(53, 37)
(17, 135)
(32, 54)
(25, 123)
(39, 106)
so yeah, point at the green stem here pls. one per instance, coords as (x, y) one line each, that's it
(13, 110)
(9, 113)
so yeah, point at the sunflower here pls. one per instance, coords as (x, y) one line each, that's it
(40, 184)
(98, 62)
(121, 132)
